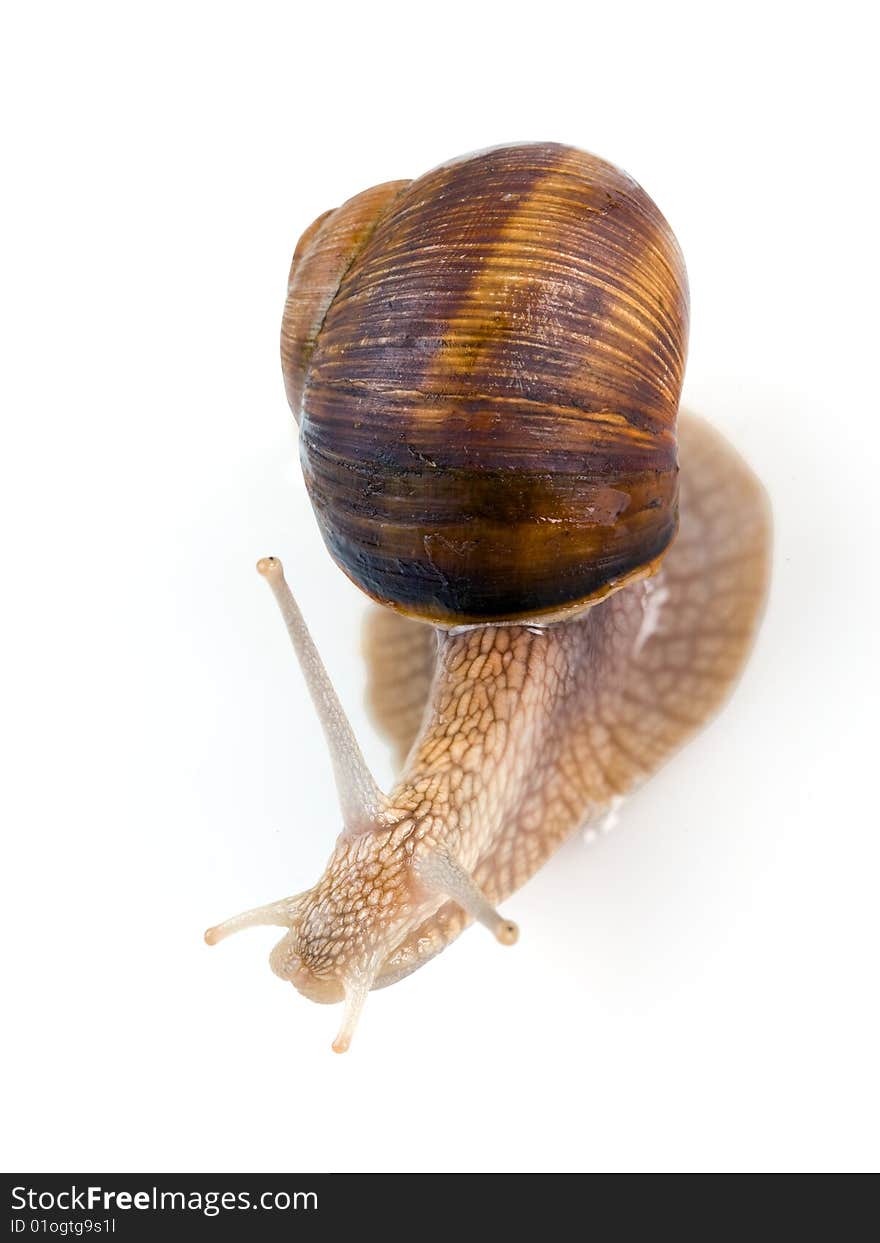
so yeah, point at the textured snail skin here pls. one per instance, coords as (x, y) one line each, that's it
(518, 736)
(489, 363)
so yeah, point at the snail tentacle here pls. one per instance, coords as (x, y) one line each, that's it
(444, 876)
(274, 914)
(361, 800)
(356, 986)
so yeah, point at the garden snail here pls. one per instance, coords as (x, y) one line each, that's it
(486, 364)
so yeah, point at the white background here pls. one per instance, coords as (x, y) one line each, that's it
(696, 991)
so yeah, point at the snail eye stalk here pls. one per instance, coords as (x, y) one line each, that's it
(441, 874)
(361, 800)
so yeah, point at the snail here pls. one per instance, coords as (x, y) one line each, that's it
(486, 366)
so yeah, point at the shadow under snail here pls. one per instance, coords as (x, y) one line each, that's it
(486, 365)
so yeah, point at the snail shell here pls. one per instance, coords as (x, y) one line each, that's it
(486, 364)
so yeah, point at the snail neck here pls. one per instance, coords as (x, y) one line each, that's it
(490, 732)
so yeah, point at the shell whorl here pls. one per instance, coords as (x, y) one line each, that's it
(323, 255)
(489, 362)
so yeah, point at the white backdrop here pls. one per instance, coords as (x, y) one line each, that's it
(696, 990)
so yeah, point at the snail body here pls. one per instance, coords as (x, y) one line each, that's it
(486, 364)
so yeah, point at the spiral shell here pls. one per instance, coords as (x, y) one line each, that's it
(487, 365)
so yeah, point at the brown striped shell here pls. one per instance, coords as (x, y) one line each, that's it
(486, 364)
